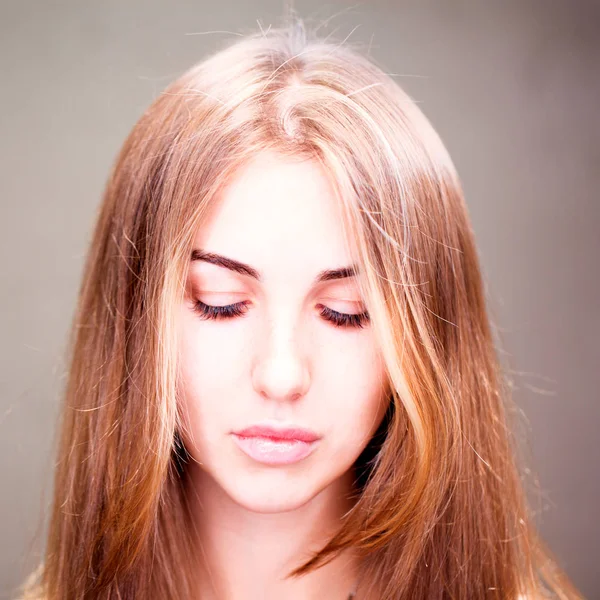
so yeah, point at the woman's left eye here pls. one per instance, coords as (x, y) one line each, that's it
(343, 319)
(239, 309)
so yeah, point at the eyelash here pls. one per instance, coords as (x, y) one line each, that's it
(231, 311)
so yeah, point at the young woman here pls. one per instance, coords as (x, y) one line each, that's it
(283, 381)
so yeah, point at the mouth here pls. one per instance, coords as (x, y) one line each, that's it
(273, 446)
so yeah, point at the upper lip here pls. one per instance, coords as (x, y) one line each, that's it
(287, 433)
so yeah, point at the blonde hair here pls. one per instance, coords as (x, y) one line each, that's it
(440, 510)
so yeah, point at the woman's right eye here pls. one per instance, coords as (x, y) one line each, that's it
(229, 311)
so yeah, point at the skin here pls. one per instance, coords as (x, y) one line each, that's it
(280, 362)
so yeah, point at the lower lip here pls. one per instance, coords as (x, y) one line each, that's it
(271, 451)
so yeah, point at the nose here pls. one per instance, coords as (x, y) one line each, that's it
(280, 369)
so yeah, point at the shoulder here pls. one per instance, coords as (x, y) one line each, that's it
(31, 589)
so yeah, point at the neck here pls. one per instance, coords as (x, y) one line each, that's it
(244, 554)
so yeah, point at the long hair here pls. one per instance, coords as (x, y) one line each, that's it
(440, 512)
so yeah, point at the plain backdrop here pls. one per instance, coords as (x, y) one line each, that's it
(513, 89)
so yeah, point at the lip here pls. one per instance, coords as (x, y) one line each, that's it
(276, 446)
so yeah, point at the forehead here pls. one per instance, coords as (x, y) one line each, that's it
(278, 212)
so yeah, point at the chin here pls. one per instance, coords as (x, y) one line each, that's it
(268, 504)
(271, 492)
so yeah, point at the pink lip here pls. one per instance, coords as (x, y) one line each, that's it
(274, 446)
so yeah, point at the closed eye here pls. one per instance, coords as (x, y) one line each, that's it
(239, 309)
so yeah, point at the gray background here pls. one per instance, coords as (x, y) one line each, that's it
(513, 89)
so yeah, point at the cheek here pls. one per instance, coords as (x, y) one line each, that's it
(216, 352)
(212, 355)
(212, 366)
(354, 385)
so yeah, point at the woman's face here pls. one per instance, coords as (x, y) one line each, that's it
(272, 357)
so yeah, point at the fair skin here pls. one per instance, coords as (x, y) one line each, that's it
(281, 362)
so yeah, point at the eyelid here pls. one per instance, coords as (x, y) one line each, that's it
(349, 300)
(353, 302)
(228, 294)
(218, 293)
(238, 296)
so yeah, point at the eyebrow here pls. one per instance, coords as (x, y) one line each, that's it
(244, 269)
